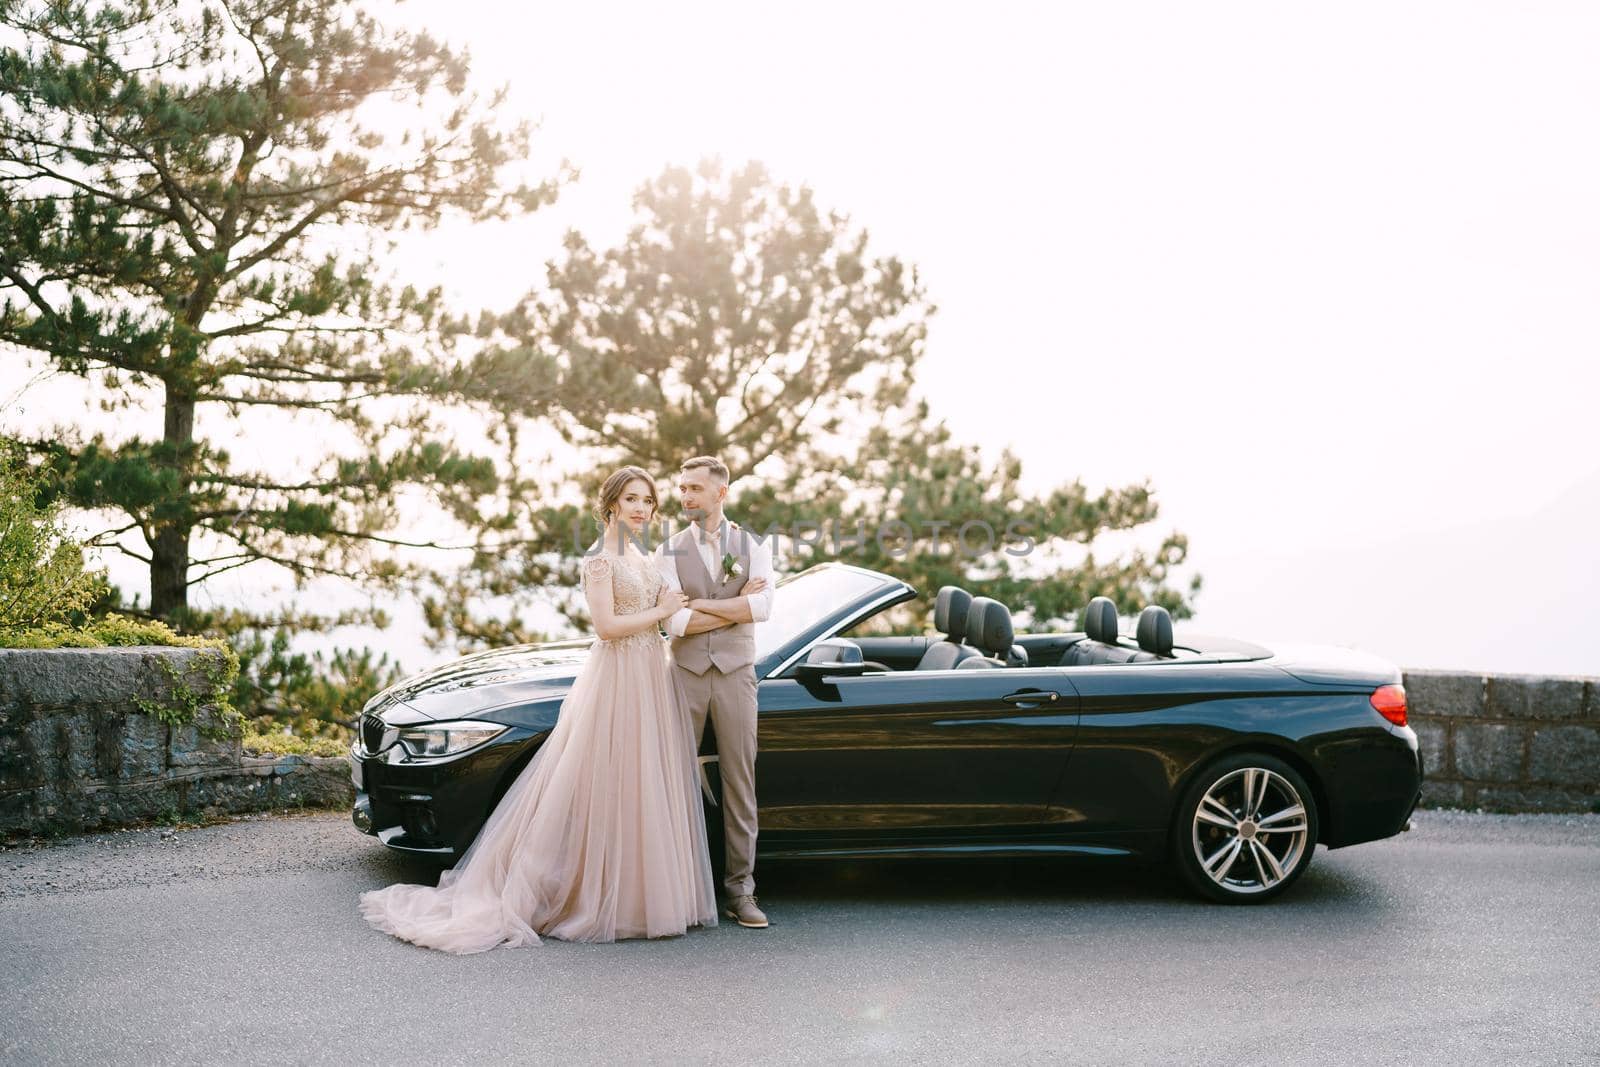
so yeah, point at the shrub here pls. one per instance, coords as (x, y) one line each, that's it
(42, 580)
(276, 743)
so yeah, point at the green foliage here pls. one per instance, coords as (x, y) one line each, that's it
(278, 743)
(105, 631)
(42, 578)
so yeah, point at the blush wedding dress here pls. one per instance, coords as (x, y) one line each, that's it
(601, 836)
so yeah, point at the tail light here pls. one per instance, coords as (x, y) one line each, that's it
(1390, 700)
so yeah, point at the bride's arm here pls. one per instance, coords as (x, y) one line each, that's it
(608, 625)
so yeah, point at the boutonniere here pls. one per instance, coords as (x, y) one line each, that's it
(731, 567)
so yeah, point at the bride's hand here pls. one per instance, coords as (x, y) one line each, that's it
(671, 601)
(754, 585)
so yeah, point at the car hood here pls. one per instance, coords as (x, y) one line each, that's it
(1334, 665)
(512, 675)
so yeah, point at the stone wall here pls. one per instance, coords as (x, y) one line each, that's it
(81, 748)
(1507, 742)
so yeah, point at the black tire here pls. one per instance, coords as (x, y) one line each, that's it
(1272, 838)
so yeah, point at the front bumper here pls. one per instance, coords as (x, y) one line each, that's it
(432, 807)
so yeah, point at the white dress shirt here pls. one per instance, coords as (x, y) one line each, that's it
(710, 546)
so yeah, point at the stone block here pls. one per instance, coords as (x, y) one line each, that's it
(192, 746)
(20, 767)
(1445, 694)
(38, 739)
(1565, 755)
(1488, 752)
(1534, 798)
(16, 814)
(1442, 795)
(144, 747)
(74, 677)
(109, 726)
(262, 766)
(1433, 735)
(1528, 696)
(76, 745)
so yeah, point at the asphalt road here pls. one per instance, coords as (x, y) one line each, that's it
(1472, 939)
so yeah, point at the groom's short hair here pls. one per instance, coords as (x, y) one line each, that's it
(710, 463)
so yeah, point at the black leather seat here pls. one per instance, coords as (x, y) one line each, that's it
(1100, 644)
(989, 629)
(1155, 633)
(950, 612)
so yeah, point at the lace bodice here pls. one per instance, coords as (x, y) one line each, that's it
(635, 585)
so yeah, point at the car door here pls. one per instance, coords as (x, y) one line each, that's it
(911, 756)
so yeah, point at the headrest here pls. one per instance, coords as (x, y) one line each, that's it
(950, 612)
(1100, 620)
(989, 625)
(1155, 630)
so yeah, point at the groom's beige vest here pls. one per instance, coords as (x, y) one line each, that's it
(729, 647)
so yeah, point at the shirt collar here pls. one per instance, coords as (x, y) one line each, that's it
(708, 538)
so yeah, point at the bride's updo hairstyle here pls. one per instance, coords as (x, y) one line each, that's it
(611, 492)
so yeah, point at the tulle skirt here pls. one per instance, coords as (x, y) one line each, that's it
(601, 836)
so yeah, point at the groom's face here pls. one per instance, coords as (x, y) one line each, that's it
(701, 493)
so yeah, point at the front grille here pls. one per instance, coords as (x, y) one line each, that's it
(371, 733)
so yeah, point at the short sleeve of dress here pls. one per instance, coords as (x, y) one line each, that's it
(596, 570)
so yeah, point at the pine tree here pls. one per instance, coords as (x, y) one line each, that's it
(194, 201)
(741, 319)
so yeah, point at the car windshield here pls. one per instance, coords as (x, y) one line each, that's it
(803, 600)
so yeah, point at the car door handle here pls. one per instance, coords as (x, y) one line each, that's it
(1031, 697)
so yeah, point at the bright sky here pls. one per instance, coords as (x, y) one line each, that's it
(1325, 276)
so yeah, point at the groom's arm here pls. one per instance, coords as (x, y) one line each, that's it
(684, 622)
(729, 611)
(701, 621)
(756, 607)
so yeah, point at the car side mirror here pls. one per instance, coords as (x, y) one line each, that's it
(831, 657)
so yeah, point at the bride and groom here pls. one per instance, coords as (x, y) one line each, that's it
(602, 835)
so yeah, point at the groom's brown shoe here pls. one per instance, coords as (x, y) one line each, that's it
(743, 910)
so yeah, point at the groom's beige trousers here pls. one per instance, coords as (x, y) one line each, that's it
(730, 700)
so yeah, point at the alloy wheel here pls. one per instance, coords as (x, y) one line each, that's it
(1250, 830)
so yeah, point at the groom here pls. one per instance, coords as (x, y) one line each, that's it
(714, 648)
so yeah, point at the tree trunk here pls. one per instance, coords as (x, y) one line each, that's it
(169, 556)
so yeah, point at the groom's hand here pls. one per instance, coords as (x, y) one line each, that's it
(754, 585)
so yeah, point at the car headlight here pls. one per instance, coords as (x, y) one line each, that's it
(447, 738)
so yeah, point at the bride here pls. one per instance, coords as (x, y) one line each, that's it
(601, 836)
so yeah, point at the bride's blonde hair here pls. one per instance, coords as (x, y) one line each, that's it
(611, 492)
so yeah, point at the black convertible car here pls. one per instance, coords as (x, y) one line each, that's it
(1231, 759)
